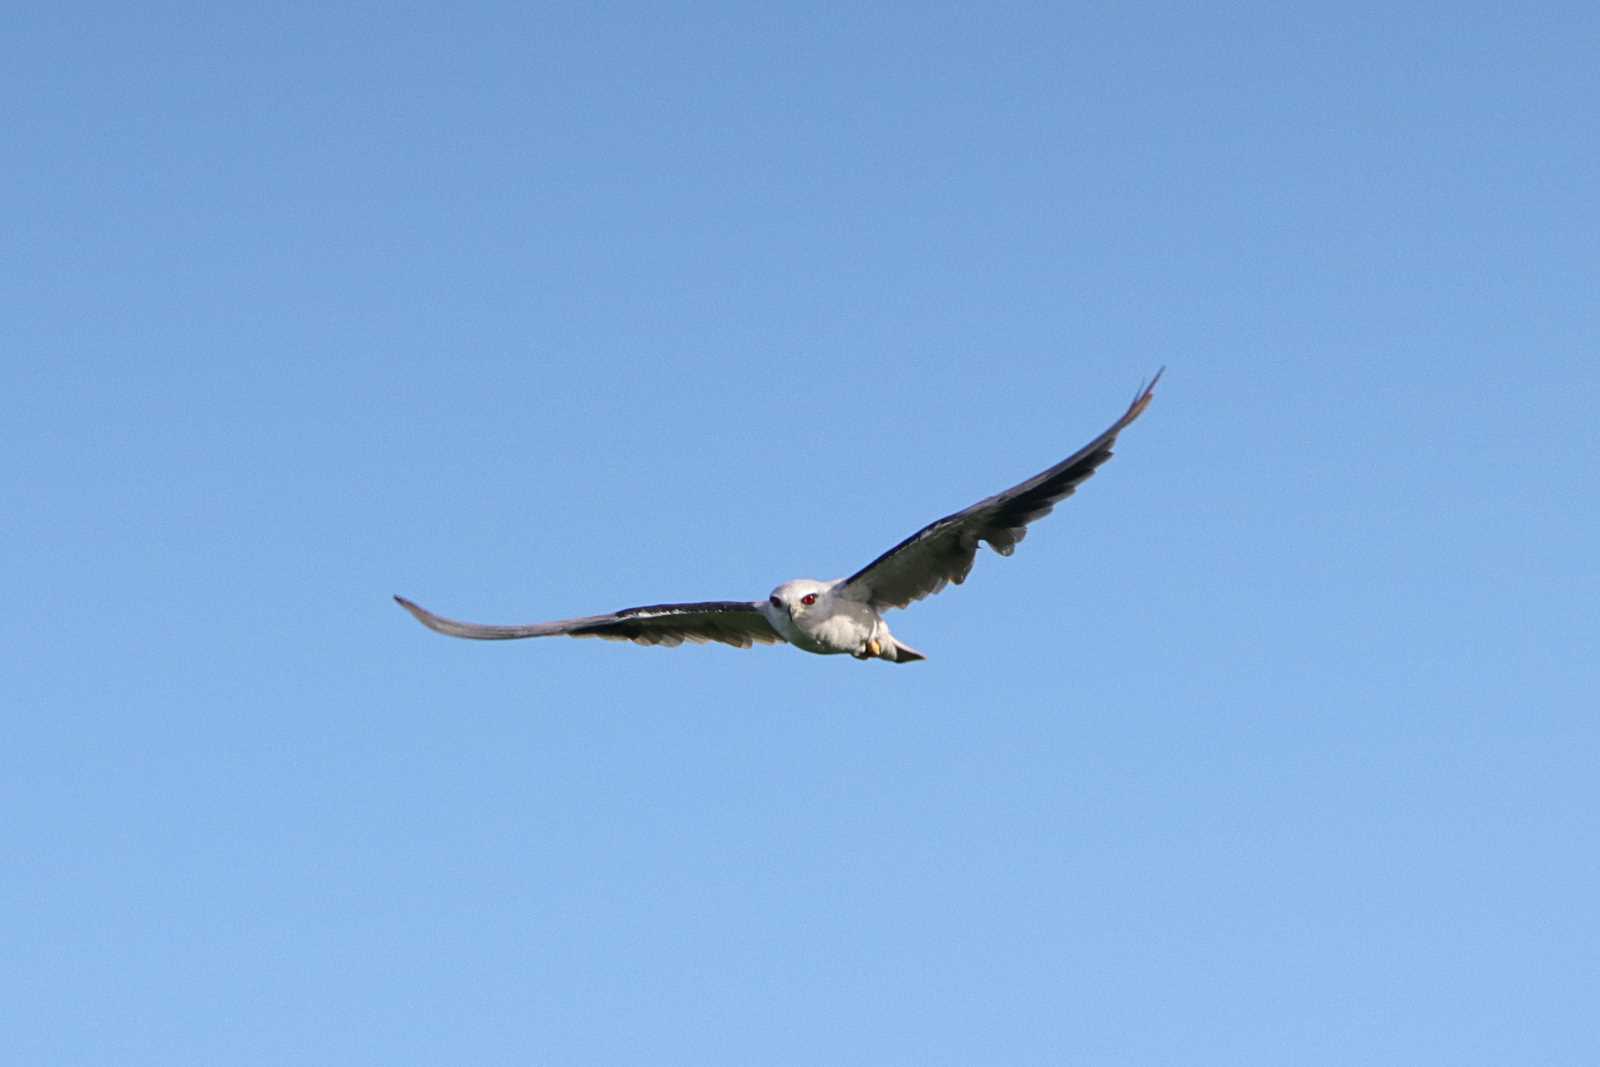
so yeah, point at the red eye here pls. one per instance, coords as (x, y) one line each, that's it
(809, 599)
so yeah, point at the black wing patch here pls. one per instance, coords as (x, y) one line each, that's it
(731, 622)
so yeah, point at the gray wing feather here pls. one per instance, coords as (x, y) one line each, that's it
(943, 551)
(731, 622)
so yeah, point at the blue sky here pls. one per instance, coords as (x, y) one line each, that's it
(1276, 743)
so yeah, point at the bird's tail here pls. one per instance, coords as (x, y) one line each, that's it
(895, 651)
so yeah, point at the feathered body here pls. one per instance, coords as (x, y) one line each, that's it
(832, 623)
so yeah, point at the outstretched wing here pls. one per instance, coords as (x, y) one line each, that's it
(943, 551)
(732, 622)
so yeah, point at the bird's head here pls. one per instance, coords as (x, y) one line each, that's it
(799, 596)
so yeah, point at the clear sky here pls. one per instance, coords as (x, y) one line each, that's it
(1276, 744)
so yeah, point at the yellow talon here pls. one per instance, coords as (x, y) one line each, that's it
(873, 648)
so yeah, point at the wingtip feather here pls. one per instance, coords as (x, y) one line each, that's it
(416, 611)
(1142, 398)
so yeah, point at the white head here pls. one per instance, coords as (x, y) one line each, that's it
(800, 596)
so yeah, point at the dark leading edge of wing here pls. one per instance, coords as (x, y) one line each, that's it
(943, 551)
(732, 622)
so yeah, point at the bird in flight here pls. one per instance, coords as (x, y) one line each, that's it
(846, 614)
